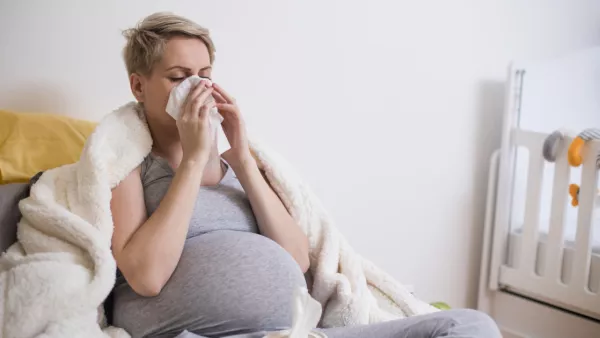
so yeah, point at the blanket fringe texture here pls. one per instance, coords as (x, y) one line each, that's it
(55, 278)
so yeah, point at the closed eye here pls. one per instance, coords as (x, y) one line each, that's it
(176, 79)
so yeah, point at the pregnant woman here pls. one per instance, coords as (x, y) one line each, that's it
(203, 244)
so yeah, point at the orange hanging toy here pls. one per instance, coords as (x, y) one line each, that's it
(574, 154)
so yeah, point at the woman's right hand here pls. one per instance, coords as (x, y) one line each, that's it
(194, 126)
(146, 247)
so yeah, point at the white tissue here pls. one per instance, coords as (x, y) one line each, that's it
(307, 313)
(177, 98)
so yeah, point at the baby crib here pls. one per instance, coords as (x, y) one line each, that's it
(540, 267)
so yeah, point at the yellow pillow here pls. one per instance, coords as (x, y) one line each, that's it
(33, 142)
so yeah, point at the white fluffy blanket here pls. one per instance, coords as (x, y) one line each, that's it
(54, 280)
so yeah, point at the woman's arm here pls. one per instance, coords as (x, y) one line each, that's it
(147, 250)
(273, 219)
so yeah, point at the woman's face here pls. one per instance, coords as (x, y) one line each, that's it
(182, 57)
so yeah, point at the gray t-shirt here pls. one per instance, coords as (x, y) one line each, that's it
(229, 279)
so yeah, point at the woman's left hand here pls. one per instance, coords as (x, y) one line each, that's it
(274, 221)
(233, 127)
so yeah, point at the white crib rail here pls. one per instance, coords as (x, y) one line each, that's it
(562, 171)
(521, 277)
(526, 261)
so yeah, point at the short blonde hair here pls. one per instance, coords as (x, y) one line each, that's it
(146, 42)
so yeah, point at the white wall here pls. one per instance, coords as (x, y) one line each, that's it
(389, 109)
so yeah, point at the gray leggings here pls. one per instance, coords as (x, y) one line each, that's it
(449, 324)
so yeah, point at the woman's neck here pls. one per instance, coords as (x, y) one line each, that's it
(168, 146)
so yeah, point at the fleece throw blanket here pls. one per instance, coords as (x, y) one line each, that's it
(54, 280)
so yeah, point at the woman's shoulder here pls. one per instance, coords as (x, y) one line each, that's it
(131, 178)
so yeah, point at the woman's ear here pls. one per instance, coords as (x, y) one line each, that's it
(136, 82)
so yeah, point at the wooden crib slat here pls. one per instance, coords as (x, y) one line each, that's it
(583, 237)
(532, 210)
(560, 196)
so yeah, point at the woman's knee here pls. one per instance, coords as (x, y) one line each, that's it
(474, 323)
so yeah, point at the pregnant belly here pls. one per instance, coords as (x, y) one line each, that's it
(226, 282)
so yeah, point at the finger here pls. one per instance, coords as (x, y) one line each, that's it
(227, 107)
(189, 100)
(219, 98)
(194, 93)
(200, 100)
(205, 110)
(223, 93)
